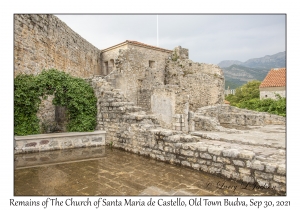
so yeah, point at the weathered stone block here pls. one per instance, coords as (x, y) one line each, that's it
(239, 163)
(204, 168)
(247, 178)
(218, 165)
(214, 170)
(202, 148)
(185, 163)
(174, 138)
(215, 150)
(230, 153)
(223, 160)
(257, 165)
(187, 152)
(226, 173)
(202, 162)
(263, 183)
(270, 167)
(281, 169)
(230, 167)
(196, 166)
(245, 171)
(279, 179)
(205, 155)
(245, 154)
(263, 175)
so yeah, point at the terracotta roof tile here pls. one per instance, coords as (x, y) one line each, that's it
(226, 102)
(146, 45)
(275, 78)
(137, 44)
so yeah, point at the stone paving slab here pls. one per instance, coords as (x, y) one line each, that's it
(267, 142)
(273, 136)
(123, 173)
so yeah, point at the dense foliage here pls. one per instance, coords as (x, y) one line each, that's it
(73, 93)
(247, 96)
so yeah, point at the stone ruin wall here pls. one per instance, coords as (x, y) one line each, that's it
(127, 125)
(226, 114)
(202, 83)
(134, 75)
(44, 42)
(108, 56)
(131, 129)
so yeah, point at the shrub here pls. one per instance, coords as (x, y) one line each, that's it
(74, 93)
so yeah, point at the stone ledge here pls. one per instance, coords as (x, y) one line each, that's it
(57, 135)
(58, 141)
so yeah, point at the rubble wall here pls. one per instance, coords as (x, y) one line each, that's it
(203, 83)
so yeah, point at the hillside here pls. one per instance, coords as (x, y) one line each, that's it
(238, 73)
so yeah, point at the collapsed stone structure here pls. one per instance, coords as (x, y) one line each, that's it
(151, 101)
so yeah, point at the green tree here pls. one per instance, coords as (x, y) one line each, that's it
(247, 97)
(246, 92)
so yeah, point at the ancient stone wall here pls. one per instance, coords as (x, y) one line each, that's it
(203, 83)
(137, 71)
(108, 59)
(227, 114)
(44, 42)
(133, 130)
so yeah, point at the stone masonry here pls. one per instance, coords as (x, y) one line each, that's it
(156, 102)
(130, 128)
(44, 42)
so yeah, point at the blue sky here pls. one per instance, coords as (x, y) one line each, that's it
(209, 38)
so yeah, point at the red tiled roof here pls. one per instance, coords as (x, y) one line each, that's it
(275, 78)
(226, 102)
(137, 44)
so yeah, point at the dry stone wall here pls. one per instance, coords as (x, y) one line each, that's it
(44, 42)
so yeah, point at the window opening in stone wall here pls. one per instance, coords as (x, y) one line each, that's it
(106, 68)
(151, 64)
(112, 62)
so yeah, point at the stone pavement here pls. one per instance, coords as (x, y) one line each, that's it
(267, 142)
(116, 172)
